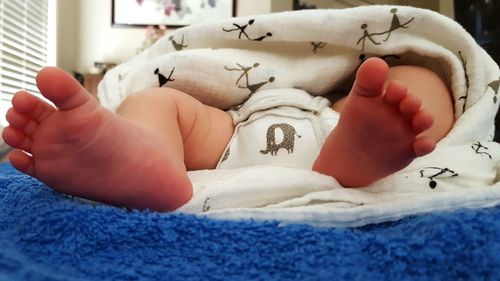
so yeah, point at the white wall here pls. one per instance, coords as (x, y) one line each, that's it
(253, 7)
(86, 35)
(68, 40)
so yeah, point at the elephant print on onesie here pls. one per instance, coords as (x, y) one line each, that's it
(287, 143)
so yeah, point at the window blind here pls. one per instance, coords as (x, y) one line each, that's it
(27, 43)
(24, 43)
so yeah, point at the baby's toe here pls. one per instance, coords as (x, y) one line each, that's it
(395, 93)
(423, 146)
(22, 162)
(410, 105)
(21, 122)
(31, 106)
(62, 89)
(16, 139)
(422, 121)
(370, 78)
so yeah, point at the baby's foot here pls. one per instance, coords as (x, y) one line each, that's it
(82, 149)
(377, 134)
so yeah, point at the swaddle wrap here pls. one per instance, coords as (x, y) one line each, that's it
(222, 64)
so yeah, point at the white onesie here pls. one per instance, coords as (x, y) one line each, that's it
(284, 127)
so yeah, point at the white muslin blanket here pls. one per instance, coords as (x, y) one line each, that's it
(223, 63)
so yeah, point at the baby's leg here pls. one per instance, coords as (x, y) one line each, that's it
(82, 149)
(379, 134)
(198, 132)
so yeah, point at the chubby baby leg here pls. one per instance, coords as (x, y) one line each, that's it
(382, 131)
(82, 149)
(199, 133)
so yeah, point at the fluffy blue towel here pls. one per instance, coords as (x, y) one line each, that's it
(47, 236)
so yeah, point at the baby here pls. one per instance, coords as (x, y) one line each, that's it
(139, 156)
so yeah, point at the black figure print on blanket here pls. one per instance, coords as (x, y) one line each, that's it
(226, 155)
(162, 79)
(254, 87)
(375, 37)
(287, 143)
(317, 46)
(206, 204)
(396, 24)
(177, 46)
(241, 29)
(467, 85)
(245, 70)
(480, 149)
(366, 35)
(432, 173)
(495, 85)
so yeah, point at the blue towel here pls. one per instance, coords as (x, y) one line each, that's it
(45, 235)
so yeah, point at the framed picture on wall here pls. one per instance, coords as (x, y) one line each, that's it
(172, 13)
